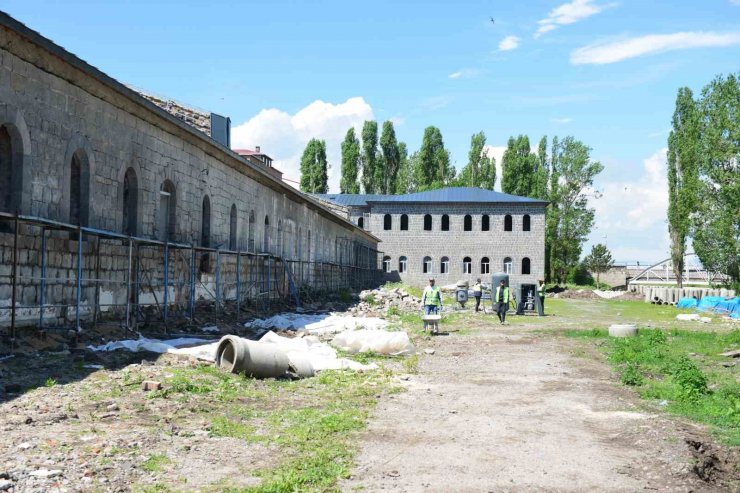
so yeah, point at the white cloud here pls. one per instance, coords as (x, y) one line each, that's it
(569, 13)
(435, 103)
(561, 121)
(509, 43)
(631, 213)
(284, 136)
(465, 73)
(603, 52)
(735, 2)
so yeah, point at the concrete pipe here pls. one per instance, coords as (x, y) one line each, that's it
(300, 365)
(623, 330)
(237, 355)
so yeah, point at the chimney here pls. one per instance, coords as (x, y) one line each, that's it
(257, 148)
(221, 129)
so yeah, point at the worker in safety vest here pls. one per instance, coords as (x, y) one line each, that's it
(432, 298)
(541, 292)
(477, 293)
(501, 298)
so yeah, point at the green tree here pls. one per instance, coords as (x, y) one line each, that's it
(571, 178)
(519, 168)
(542, 171)
(391, 159)
(717, 220)
(370, 163)
(598, 261)
(481, 169)
(403, 181)
(432, 169)
(314, 168)
(350, 163)
(683, 172)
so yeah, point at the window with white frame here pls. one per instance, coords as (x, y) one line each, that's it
(508, 266)
(467, 265)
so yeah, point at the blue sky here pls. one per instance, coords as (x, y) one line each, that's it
(603, 71)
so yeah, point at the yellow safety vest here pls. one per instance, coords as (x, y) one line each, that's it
(498, 293)
(477, 288)
(542, 289)
(432, 296)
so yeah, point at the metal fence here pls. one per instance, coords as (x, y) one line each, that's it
(57, 276)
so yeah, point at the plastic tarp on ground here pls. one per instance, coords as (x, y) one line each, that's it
(376, 341)
(317, 324)
(713, 304)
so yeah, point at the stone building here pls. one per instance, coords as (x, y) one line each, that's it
(81, 149)
(453, 233)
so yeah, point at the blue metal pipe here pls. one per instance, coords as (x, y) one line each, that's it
(166, 280)
(43, 278)
(191, 301)
(79, 278)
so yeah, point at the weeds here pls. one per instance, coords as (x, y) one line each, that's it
(50, 382)
(155, 462)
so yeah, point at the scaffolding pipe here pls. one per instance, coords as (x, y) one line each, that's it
(191, 300)
(128, 283)
(218, 281)
(15, 285)
(97, 280)
(238, 283)
(43, 278)
(166, 282)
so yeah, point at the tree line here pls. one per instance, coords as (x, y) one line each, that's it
(561, 174)
(704, 177)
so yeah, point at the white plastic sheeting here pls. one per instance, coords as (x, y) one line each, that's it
(321, 355)
(327, 323)
(144, 344)
(693, 317)
(373, 340)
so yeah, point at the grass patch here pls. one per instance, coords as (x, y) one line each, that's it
(681, 368)
(155, 462)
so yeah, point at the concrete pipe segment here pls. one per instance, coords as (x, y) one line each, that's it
(623, 330)
(237, 355)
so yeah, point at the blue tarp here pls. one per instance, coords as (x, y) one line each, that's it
(714, 304)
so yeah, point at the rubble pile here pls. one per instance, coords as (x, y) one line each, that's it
(378, 301)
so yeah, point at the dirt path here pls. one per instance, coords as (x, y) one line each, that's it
(505, 409)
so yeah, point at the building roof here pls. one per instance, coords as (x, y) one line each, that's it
(249, 152)
(447, 195)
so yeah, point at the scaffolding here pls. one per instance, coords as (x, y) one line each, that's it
(59, 276)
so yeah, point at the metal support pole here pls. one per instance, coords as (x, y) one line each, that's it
(97, 280)
(42, 288)
(238, 283)
(128, 283)
(191, 301)
(79, 278)
(166, 281)
(15, 284)
(269, 281)
(218, 281)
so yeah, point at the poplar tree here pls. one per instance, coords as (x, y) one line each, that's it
(388, 172)
(314, 168)
(350, 163)
(405, 170)
(481, 169)
(683, 170)
(432, 169)
(519, 168)
(370, 157)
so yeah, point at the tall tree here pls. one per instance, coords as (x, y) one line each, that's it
(404, 183)
(370, 157)
(391, 159)
(519, 168)
(552, 212)
(350, 163)
(432, 169)
(599, 261)
(542, 172)
(683, 173)
(314, 168)
(573, 219)
(481, 169)
(717, 221)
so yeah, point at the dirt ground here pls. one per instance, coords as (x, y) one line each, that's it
(509, 409)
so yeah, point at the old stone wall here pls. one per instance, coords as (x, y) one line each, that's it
(456, 244)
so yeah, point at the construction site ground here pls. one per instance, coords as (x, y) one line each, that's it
(482, 407)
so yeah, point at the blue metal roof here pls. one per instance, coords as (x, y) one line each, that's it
(442, 195)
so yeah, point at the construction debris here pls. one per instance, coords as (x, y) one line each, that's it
(379, 301)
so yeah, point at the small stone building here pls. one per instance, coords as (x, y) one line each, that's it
(453, 233)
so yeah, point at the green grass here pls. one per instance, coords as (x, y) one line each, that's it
(681, 368)
(155, 463)
(50, 382)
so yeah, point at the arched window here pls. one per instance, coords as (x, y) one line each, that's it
(205, 222)
(402, 264)
(11, 162)
(427, 265)
(507, 222)
(232, 227)
(445, 222)
(468, 223)
(485, 223)
(508, 266)
(404, 222)
(79, 189)
(467, 266)
(130, 202)
(444, 265)
(250, 233)
(485, 266)
(427, 222)
(526, 223)
(167, 211)
(387, 222)
(386, 264)
(266, 236)
(361, 223)
(526, 266)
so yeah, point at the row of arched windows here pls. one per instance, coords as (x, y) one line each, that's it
(427, 265)
(485, 223)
